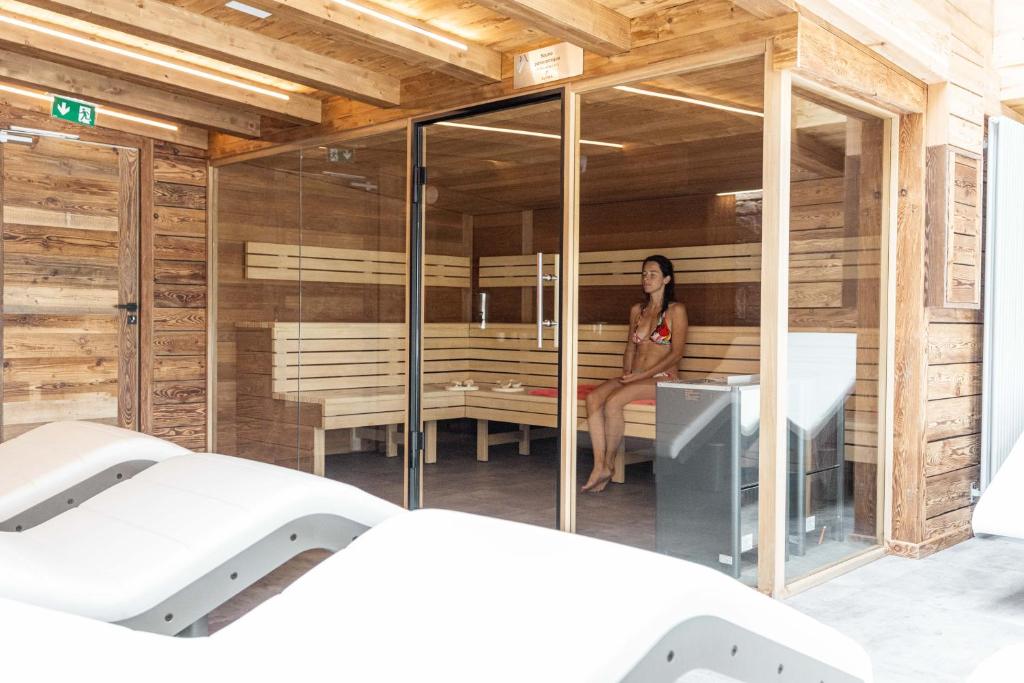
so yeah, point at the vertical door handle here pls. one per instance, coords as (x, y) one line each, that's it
(541, 321)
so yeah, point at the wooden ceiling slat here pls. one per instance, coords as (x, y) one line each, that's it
(299, 108)
(766, 9)
(586, 23)
(165, 23)
(476, 64)
(68, 80)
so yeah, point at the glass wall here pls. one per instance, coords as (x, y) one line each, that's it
(258, 202)
(667, 450)
(312, 346)
(311, 311)
(835, 333)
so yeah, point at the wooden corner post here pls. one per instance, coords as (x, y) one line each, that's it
(774, 326)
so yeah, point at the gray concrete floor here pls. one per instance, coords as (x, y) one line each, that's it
(930, 620)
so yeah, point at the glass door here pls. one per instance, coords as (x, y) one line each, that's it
(488, 212)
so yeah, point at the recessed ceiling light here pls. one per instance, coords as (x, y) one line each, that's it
(689, 100)
(530, 133)
(248, 9)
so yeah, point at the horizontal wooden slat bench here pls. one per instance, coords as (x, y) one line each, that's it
(352, 376)
(709, 350)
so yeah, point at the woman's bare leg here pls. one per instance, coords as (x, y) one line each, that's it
(615, 423)
(596, 425)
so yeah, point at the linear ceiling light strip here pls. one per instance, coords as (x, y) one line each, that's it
(43, 97)
(403, 24)
(529, 133)
(689, 100)
(142, 57)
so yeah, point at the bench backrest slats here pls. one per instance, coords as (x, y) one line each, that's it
(271, 261)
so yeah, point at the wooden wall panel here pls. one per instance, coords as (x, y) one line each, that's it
(176, 272)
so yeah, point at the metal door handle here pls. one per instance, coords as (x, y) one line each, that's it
(541, 322)
(132, 308)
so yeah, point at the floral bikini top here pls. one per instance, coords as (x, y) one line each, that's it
(661, 334)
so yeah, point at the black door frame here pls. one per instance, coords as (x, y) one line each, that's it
(418, 179)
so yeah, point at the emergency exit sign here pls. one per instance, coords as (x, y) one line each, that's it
(73, 111)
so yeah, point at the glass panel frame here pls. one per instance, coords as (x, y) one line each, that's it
(415, 436)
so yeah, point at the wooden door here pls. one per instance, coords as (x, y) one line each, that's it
(70, 268)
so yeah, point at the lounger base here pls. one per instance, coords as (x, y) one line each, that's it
(178, 613)
(74, 495)
(711, 643)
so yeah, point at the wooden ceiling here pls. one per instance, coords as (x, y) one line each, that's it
(203, 66)
(669, 148)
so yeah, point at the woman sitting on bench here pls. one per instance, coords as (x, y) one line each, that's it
(654, 346)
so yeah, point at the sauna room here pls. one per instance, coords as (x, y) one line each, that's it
(316, 299)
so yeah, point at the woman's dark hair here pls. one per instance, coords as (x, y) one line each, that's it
(668, 271)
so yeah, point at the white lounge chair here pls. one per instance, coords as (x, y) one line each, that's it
(1003, 666)
(504, 602)
(1000, 510)
(57, 466)
(160, 551)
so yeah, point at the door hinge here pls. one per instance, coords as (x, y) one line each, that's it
(419, 180)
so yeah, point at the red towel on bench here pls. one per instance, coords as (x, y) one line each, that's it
(581, 392)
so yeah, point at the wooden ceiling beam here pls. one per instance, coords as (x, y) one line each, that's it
(907, 33)
(476, 64)
(19, 38)
(586, 23)
(18, 110)
(191, 31)
(766, 9)
(67, 80)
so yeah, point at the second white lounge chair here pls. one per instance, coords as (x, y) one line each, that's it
(159, 551)
(57, 466)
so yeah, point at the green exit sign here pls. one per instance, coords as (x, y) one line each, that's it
(74, 111)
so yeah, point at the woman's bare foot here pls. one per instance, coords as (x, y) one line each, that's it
(599, 478)
(602, 482)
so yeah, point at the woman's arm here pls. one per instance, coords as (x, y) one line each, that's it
(627, 355)
(678, 323)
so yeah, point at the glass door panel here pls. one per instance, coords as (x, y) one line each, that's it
(835, 333)
(349, 358)
(492, 238)
(668, 443)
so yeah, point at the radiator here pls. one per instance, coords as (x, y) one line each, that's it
(1003, 361)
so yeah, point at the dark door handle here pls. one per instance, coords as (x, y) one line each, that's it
(131, 307)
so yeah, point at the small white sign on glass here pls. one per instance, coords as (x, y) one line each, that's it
(547, 64)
